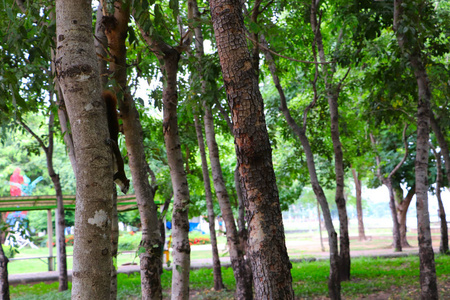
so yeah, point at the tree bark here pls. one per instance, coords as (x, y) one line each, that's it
(266, 243)
(402, 205)
(116, 27)
(396, 227)
(443, 247)
(78, 76)
(240, 267)
(412, 51)
(114, 246)
(217, 273)
(4, 283)
(180, 230)
(332, 95)
(334, 282)
(442, 141)
(359, 211)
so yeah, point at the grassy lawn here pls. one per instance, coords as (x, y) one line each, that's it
(394, 278)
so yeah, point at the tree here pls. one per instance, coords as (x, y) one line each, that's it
(407, 17)
(78, 76)
(266, 244)
(4, 283)
(387, 181)
(169, 57)
(116, 30)
(59, 214)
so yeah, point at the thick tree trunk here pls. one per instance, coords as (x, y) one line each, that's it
(217, 273)
(240, 267)
(334, 282)
(359, 211)
(78, 76)
(4, 283)
(116, 27)
(412, 52)
(180, 221)
(266, 243)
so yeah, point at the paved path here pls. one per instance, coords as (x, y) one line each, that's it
(26, 278)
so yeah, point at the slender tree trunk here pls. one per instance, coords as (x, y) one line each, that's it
(402, 205)
(4, 283)
(180, 230)
(240, 267)
(243, 233)
(443, 247)
(412, 51)
(396, 228)
(359, 211)
(114, 246)
(217, 273)
(442, 141)
(266, 243)
(78, 76)
(334, 282)
(116, 27)
(333, 94)
(59, 213)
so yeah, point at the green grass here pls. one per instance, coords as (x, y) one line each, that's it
(399, 276)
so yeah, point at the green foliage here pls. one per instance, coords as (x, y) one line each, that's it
(129, 241)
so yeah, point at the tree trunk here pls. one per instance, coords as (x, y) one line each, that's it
(78, 76)
(442, 144)
(412, 52)
(114, 246)
(59, 213)
(334, 282)
(359, 211)
(180, 221)
(4, 283)
(266, 243)
(217, 273)
(116, 27)
(238, 262)
(243, 233)
(443, 247)
(395, 228)
(402, 205)
(333, 94)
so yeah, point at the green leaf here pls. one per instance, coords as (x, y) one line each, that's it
(173, 4)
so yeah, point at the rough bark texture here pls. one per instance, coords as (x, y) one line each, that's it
(77, 73)
(180, 221)
(240, 267)
(150, 260)
(217, 273)
(334, 285)
(266, 243)
(359, 211)
(4, 283)
(412, 52)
